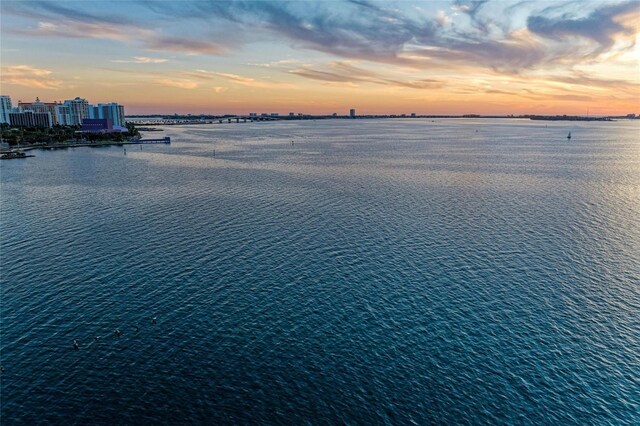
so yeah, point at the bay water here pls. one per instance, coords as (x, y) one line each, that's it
(417, 271)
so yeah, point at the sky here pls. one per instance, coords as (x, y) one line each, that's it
(390, 57)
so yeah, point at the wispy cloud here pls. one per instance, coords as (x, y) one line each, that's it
(99, 30)
(275, 64)
(181, 83)
(384, 33)
(601, 25)
(184, 45)
(241, 80)
(25, 75)
(55, 20)
(344, 72)
(237, 78)
(141, 60)
(582, 79)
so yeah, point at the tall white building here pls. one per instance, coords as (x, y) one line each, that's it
(111, 111)
(5, 109)
(63, 115)
(71, 112)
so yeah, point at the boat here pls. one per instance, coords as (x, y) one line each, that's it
(569, 135)
(13, 155)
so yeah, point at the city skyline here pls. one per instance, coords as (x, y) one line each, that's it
(452, 57)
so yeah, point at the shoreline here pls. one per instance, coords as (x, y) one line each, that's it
(81, 145)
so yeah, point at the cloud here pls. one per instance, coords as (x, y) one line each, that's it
(220, 89)
(275, 64)
(602, 25)
(25, 75)
(237, 78)
(141, 60)
(75, 29)
(582, 79)
(362, 29)
(185, 45)
(380, 32)
(343, 72)
(58, 21)
(472, 9)
(442, 18)
(247, 81)
(181, 83)
(574, 98)
(477, 35)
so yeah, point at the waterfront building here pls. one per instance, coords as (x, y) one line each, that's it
(413, 115)
(5, 109)
(74, 111)
(39, 106)
(63, 115)
(30, 118)
(352, 113)
(95, 125)
(111, 111)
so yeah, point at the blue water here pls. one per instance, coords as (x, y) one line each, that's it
(375, 272)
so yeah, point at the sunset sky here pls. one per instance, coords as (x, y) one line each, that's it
(452, 57)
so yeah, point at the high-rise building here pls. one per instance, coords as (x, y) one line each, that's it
(38, 106)
(73, 112)
(111, 111)
(30, 118)
(63, 115)
(352, 113)
(5, 109)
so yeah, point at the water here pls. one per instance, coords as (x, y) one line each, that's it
(374, 272)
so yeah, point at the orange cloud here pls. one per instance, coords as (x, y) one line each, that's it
(141, 60)
(179, 83)
(25, 75)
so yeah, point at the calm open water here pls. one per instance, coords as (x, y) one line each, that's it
(375, 272)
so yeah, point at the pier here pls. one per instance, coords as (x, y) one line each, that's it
(166, 139)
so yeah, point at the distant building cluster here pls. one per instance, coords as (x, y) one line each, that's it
(72, 112)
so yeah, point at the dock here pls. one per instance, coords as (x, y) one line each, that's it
(166, 139)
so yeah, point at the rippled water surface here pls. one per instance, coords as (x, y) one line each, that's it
(374, 272)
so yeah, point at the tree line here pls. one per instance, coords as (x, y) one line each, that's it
(60, 134)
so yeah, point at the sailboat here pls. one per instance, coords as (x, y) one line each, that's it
(569, 135)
